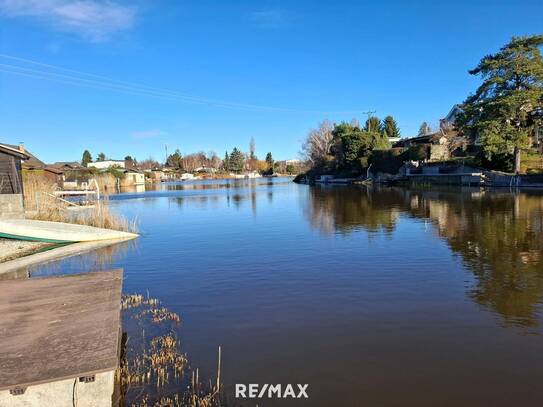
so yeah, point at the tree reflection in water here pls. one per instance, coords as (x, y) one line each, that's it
(498, 234)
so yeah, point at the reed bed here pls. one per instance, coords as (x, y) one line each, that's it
(154, 372)
(42, 204)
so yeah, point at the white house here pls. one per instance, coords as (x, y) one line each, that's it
(186, 176)
(104, 165)
(293, 161)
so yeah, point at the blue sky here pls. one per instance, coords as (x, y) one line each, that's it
(209, 75)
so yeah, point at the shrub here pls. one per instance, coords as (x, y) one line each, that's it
(417, 152)
(386, 161)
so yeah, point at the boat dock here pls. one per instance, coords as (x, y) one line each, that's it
(61, 339)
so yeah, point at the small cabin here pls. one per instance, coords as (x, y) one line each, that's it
(11, 181)
(132, 178)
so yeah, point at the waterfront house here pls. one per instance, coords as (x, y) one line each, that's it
(440, 145)
(11, 181)
(157, 175)
(132, 178)
(169, 173)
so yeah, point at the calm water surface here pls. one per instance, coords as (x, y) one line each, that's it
(383, 297)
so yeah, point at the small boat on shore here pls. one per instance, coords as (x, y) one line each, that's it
(57, 232)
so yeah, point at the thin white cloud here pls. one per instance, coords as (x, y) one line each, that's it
(147, 134)
(94, 20)
(271, 18)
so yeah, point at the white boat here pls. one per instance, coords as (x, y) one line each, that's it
(57, 232)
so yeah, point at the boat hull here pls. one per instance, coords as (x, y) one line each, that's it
(57, 232)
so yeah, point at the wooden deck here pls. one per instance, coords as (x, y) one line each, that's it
(59, 327)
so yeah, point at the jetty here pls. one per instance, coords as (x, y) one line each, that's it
(61, 339)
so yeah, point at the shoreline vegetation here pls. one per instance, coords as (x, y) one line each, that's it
(154, 371)
(498, 128)
(41, 204)
(201, 165)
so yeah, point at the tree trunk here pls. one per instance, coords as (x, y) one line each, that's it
(517, 160)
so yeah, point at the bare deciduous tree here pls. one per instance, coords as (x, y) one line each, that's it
(214, 160)
(318, 142)
(148, 164)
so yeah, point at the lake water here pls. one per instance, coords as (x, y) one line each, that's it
(373, 297)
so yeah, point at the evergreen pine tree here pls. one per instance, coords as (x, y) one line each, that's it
(226, 162)
(237, 160)
(507, 108)
(373, 125)
(87, 158)
(269, 161)
(390, 127)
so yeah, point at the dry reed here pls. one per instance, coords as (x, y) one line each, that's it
(154, 373)
(42, 204)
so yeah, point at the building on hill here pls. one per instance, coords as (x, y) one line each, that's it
(441, 145)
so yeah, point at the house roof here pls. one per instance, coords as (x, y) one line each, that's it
(72, 164)
(131, 170)
(14, 151)
(53, 169)
(427, 138)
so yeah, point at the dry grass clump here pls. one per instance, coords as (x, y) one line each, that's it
(156, 364)
(155, 372)
(129, 301)
(42, 204)
(161, 314)
(177, 401)
(106, 182)
(100, 216)
(157, 314)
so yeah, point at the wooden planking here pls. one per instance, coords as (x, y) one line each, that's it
(6, 175)
(59, 327)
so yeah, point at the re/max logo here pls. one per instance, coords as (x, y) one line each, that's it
(254, 391)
